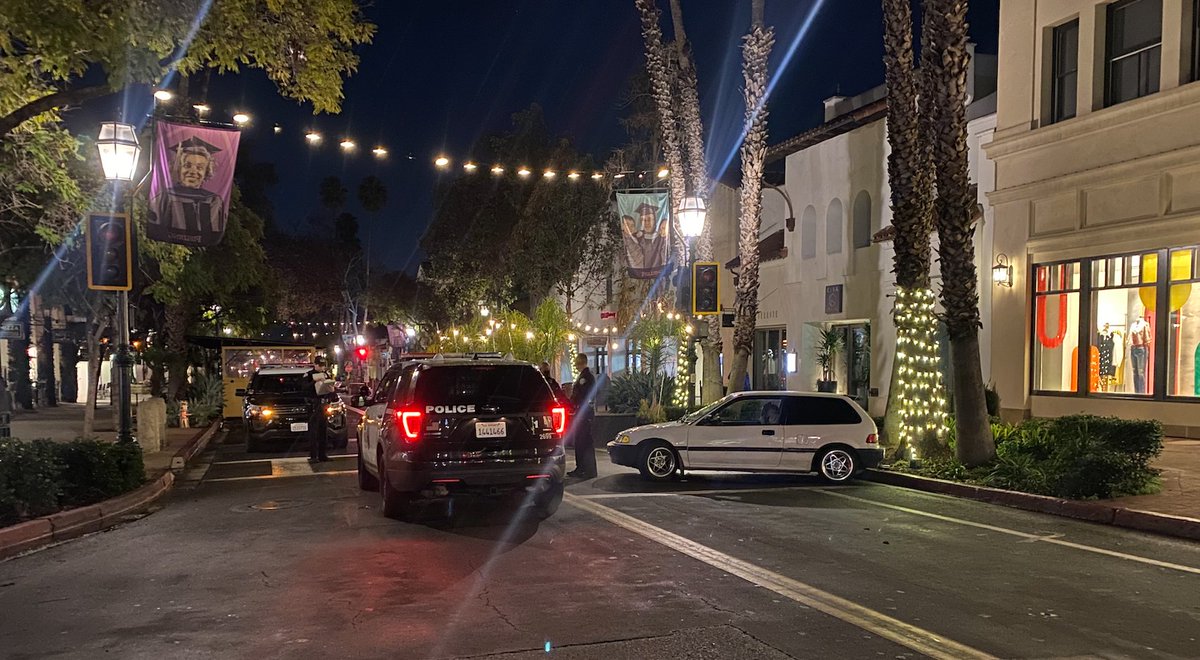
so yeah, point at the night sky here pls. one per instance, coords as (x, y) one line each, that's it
(439, 76)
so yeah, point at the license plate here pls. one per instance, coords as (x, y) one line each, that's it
(490, 429)
(298, 427)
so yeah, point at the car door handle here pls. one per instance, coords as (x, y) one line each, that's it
(768, 431)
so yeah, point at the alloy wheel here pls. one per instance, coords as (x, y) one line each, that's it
(660, 462)
(837, 465)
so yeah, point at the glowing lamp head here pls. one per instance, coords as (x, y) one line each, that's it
(163, 95)
(442, 162)
(241, 118)
(119, 150)
(692, 213)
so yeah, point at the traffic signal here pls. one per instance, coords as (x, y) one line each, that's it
(705, 289)
(362, 352)
(109, 252)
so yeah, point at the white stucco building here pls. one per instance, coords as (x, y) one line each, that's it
(1097, 205)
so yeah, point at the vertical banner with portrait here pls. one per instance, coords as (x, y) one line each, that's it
(190, 183)
(644, 228)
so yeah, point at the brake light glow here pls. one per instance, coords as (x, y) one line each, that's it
(410, 422)
(558, 414)
(872, 439)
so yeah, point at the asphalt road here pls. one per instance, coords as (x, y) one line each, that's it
(259, 556)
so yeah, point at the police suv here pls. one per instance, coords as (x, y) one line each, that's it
(278, 407)
(477, 424)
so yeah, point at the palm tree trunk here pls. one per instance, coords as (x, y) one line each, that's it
(177, 324)
(94, 350)
(946, 73)
(915, 405)
(692, 128)
(756, 49)
(660, 85)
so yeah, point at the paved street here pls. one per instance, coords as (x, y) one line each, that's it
(258, 556)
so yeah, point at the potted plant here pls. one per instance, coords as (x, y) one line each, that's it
(827, 352)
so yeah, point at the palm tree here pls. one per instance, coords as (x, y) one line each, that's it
(660, 87)
(915, 406)
(692, 129)
(944, 61)
(372, 194)
(756, 49)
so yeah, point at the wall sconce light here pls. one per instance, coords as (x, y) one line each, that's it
(1002, 272)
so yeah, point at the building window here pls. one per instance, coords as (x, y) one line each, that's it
(1183, 324)
(808, 233)
(833, 228)
(1121, 353)
(1064, 80)
(1056, 326)
(1141, 313)
(861, 214)
(1134, 50)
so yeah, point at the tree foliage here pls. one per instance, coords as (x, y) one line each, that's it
(305, 47)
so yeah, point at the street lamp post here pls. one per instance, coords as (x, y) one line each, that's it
(119, 151)
(692, 214)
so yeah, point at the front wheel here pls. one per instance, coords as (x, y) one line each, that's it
(837, 465)
(659, 462)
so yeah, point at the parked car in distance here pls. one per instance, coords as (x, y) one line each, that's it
(757, 432)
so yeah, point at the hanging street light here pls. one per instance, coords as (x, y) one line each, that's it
(163, 95)
(119, 150)
(241, 118)
(691, 216)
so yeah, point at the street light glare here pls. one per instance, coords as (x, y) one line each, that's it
(549, 174)
(163, 95)
(379, 152)
(524, 171)
(469, 166)
(663, 172)
(598, 175)
(313, 137)
(497, 170)
(241, 118)
(278, 129)
(347, 144)
(201, 108)
(442, 161)
(573, 175)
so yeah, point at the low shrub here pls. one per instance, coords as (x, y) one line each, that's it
(30, 476)
(627, 390)
(1077, 457)
(40, 477)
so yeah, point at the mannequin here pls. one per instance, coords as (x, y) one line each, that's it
(1107, 339)
(1139, 352)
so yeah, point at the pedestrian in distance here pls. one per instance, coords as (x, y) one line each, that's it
(581, 424)
(6, 409)
(554, 386)
(318, 427)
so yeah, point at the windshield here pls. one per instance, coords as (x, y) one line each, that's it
(694, 417)
(280, 384)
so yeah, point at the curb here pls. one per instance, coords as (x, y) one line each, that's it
(1143, 521)
(74, 523)
(194, 446)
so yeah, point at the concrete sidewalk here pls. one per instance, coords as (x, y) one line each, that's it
(64, 423)
(1180, 494)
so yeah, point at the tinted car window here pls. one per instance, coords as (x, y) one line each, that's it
(281, 384)
(507, 387)
(819, 411)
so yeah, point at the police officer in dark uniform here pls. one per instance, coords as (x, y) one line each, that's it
(318, 427)
(581, 425)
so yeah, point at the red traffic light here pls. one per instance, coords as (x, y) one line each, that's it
(362, 352)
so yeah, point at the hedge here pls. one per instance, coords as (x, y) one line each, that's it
(1076, 456)
(41, 477)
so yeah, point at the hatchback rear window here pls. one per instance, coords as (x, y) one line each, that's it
(820, 411)
(507, 388)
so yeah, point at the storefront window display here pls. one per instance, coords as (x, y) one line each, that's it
(1056, 326)
(1183, 334)
(1122, 312)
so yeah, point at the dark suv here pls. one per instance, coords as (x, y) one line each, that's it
(278, 406)
(463, 425)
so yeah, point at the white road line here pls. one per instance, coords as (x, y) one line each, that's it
(285, 459)
(920, 640)
(677, 493)
(1041, 538)
(283, 476)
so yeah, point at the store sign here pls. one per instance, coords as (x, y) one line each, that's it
(12, 330)
(833, 299)
(598, 342)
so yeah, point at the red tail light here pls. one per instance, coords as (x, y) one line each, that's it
(872, 439)
(558, 414)
(410, 423)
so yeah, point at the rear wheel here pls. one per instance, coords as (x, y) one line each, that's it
(659, 462)
(837, 465)
(366, 480)
(396, 505)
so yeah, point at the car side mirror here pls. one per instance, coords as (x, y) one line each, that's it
(241, 391)
(713, 420)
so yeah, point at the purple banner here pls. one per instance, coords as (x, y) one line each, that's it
(190, 183)
(644, 229)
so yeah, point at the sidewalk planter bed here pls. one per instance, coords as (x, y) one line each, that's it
(40, 477)
(1074, 457)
